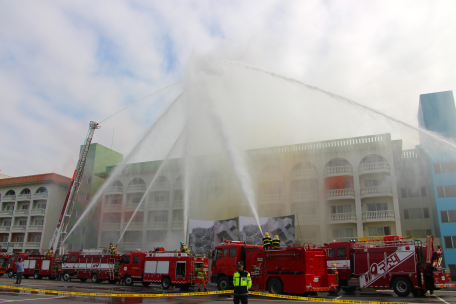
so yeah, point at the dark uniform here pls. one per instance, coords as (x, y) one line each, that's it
(267, 242)
(242, 283)
(276, 242)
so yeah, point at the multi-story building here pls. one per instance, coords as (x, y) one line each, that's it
(30, 208)
(437, 113)
(339, 189)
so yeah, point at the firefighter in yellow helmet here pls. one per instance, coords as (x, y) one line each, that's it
(112, 249)
(201, 278)
(50, 253)
(276, 242)
(267, 242)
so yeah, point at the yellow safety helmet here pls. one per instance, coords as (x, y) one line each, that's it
(266, 234)
(276, 236)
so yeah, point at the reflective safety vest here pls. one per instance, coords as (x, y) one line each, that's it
(267, 241)
(201, 274)
(242, 282)
(276, 243)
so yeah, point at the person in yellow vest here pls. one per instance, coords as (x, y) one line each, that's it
(112, 249)
(242, 283)
(267, 242)
(201, 278)
(183, 248)
(50, 253)
(276, 242)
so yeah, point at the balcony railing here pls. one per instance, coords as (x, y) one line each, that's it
(271, 197)
(32, 244)
(374, 191)
(21, 212)
(131, 206)
(159, 205)
(17, 244)
(178, 204)
(336, 170)
(157, 225)
(135, 225)
(35, 227)
(4, 244)
(309, 218)
(304, 196)
(38, 211)
(6, 213)
(8, 198)
(341, 193)
(178, 185)
(178, 225)
(21, 197)
(40, 196)
(5, 228)
(369, 167)
(378, 215)
(304, 173)
(114, 189)
(342, 217)
(113, 207)
(161, 185)
(18, 228)
(110, 226)
(132, 188)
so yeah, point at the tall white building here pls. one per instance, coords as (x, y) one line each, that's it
(30, 208)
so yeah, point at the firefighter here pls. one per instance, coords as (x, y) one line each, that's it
(50, 253)
(201, 278)
(112, 249)
(266, 241)
(242, 283)
(58, 270)
(183, 248)
(276, 242)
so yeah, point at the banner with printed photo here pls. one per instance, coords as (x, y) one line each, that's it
(205, 235)
(282, 226)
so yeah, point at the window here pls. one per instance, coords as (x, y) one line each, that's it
(452, 270)
(379, 231)
(73, 258)
(450, 242)
(10, 208)
(371, 183)
(41, 190)
(25, 207)
(331, 252)
(416, 213)
(225, 251)
(232, 252)
(338, 162)
(341, 253)
(4, 239)
(77, 213)
(127, 259)
(341, 209)
(418, 234)
(445, 167)
(136, 260)
(448, 216)
(23, 223)
(39, 222)
(20, 238)
(345, 232)
(161, 216)
(7, 223)
(377, 206)
(117, 201)
(135, 200)
(446, 191)
(160, 198)
(41, 206)
(36, 238)
(413, 192)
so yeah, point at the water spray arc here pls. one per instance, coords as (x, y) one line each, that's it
(344, 99)
(157, 174)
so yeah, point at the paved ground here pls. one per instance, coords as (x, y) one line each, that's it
(10, 296)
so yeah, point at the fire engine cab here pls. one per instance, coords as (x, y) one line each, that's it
(160, 266)
(389, 263)
(290, 269)
(91, 265)
(4, 260)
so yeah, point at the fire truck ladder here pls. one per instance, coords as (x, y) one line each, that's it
(111, 268)
(62, 226)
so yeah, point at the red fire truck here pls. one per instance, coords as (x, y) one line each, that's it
(4, 260)
(164, 267)
(41, 266)
(290, 269)
(391, 263)
(11, 266)
(96, 266)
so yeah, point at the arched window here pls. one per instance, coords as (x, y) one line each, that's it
(41, 190)
(137, 181)
(373, 158)
(25, 191)
(161, 179)
(10, 192)
(338, 162)
(117, 183)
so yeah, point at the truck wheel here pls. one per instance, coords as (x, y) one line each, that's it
(94, 278)
(402, 286)
(37, 276)
(10, 274)
(275, 286)
(129, 281)
(166, 283)
(349, 289)
(222, 283)
(145, 284)
(66, 276)
(83, 279)
(335, 292)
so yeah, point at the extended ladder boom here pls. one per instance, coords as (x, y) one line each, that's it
(62, 226)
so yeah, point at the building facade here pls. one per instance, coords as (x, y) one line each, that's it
(30, 208)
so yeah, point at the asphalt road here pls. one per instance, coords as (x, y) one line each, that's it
(15, 296)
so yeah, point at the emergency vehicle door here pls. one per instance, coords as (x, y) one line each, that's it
(32, 264)
(26, 264)
(45, 265)
(180, 269)
(226, 259)
(135, 266)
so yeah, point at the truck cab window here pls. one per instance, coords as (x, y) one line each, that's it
(127, 259)
(65, 259)
(232, 252)
(225, 251)
(136, 260)
(73, 258)
(341, 253)
(331, 252)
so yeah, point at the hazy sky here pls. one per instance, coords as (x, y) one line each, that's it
(64, 63)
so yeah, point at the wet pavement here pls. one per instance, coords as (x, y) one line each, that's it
(10, 296)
